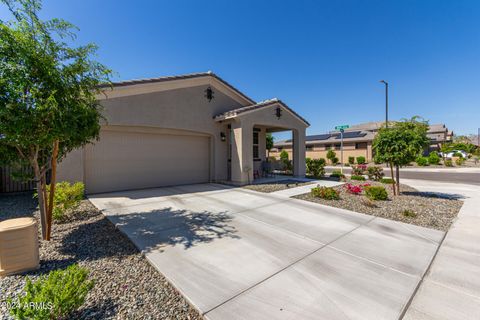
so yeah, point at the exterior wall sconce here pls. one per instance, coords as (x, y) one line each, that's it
(278, 112)
(223, 137)
(209, 94)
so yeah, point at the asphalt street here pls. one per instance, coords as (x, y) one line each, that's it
(452, 177)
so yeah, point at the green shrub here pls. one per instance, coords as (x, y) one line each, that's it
(458, 154)
(409, 213)
(315, 167)
(322, 161)
(422, 161)
(283, 155)
(375, 173)
(358, 178)
(448, 163)
(459, 161)
(361, 160)
(351, 160)
(336, 174)
(60, 292)
(386, 180)
(67, 198)
(331, 154)
(325, 193)
(334, 160)
(376, 193)
(433, 158)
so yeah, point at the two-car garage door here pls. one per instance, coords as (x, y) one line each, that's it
(124, 160)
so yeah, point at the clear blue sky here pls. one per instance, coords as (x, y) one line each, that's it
(323, 58)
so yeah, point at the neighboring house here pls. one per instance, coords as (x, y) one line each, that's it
(357, 141)
(176, 130)
(355, 144)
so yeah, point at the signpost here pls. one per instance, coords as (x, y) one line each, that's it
(342, 130)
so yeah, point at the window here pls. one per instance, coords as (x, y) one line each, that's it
(309, 148)
(337, 147)
(255, 145)
(361, 145)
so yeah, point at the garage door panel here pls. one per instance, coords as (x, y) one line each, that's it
(128, 160)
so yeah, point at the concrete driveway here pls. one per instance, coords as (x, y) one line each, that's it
(240, 254)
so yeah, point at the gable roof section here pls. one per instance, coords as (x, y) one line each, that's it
(138, 84)
(263, 104)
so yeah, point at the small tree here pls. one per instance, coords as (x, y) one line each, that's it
(48, 104)
(269, 142)
(400, 145)
(331, 155)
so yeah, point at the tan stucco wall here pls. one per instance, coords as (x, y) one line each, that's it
(180, 109)
(321, 152)
(243, 149)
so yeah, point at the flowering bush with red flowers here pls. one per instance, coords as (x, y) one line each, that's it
(356, 189)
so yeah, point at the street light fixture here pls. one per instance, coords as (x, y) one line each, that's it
(386, 102)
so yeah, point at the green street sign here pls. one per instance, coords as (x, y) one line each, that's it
(345, 126)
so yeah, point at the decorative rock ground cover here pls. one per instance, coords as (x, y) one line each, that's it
(276, 186)
(126, 285)
(419, 208)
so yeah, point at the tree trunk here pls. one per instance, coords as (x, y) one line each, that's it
(393, 179)
(41, 197)
(397, 173)
(52, 189)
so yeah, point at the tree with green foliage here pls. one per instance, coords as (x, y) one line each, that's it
(48, 104)
(331, 155)
(269, 142)
(401, 144)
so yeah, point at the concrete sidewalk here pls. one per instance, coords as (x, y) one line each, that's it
(451, 288)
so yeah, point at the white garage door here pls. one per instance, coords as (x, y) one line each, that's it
(130, 160)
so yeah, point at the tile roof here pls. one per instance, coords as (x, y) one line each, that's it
(262, 104)
(177, 77)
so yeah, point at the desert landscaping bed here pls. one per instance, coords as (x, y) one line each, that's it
(419, 208)
(276, 185)
(126, 285)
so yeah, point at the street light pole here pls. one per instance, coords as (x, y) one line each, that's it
(386, 102)
(341, 150)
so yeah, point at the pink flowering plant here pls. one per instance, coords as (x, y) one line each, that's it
(356, 189)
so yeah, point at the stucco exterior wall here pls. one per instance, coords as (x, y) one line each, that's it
(243, 164)
(179, 109)
(321, 152)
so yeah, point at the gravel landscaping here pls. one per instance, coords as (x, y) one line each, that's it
(276, 186)
(419, 208)
(126, 285)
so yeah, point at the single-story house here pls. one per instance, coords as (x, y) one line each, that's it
(357, 141)
(182, 129)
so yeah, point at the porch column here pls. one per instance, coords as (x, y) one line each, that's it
(242, 153)
(298, 152)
